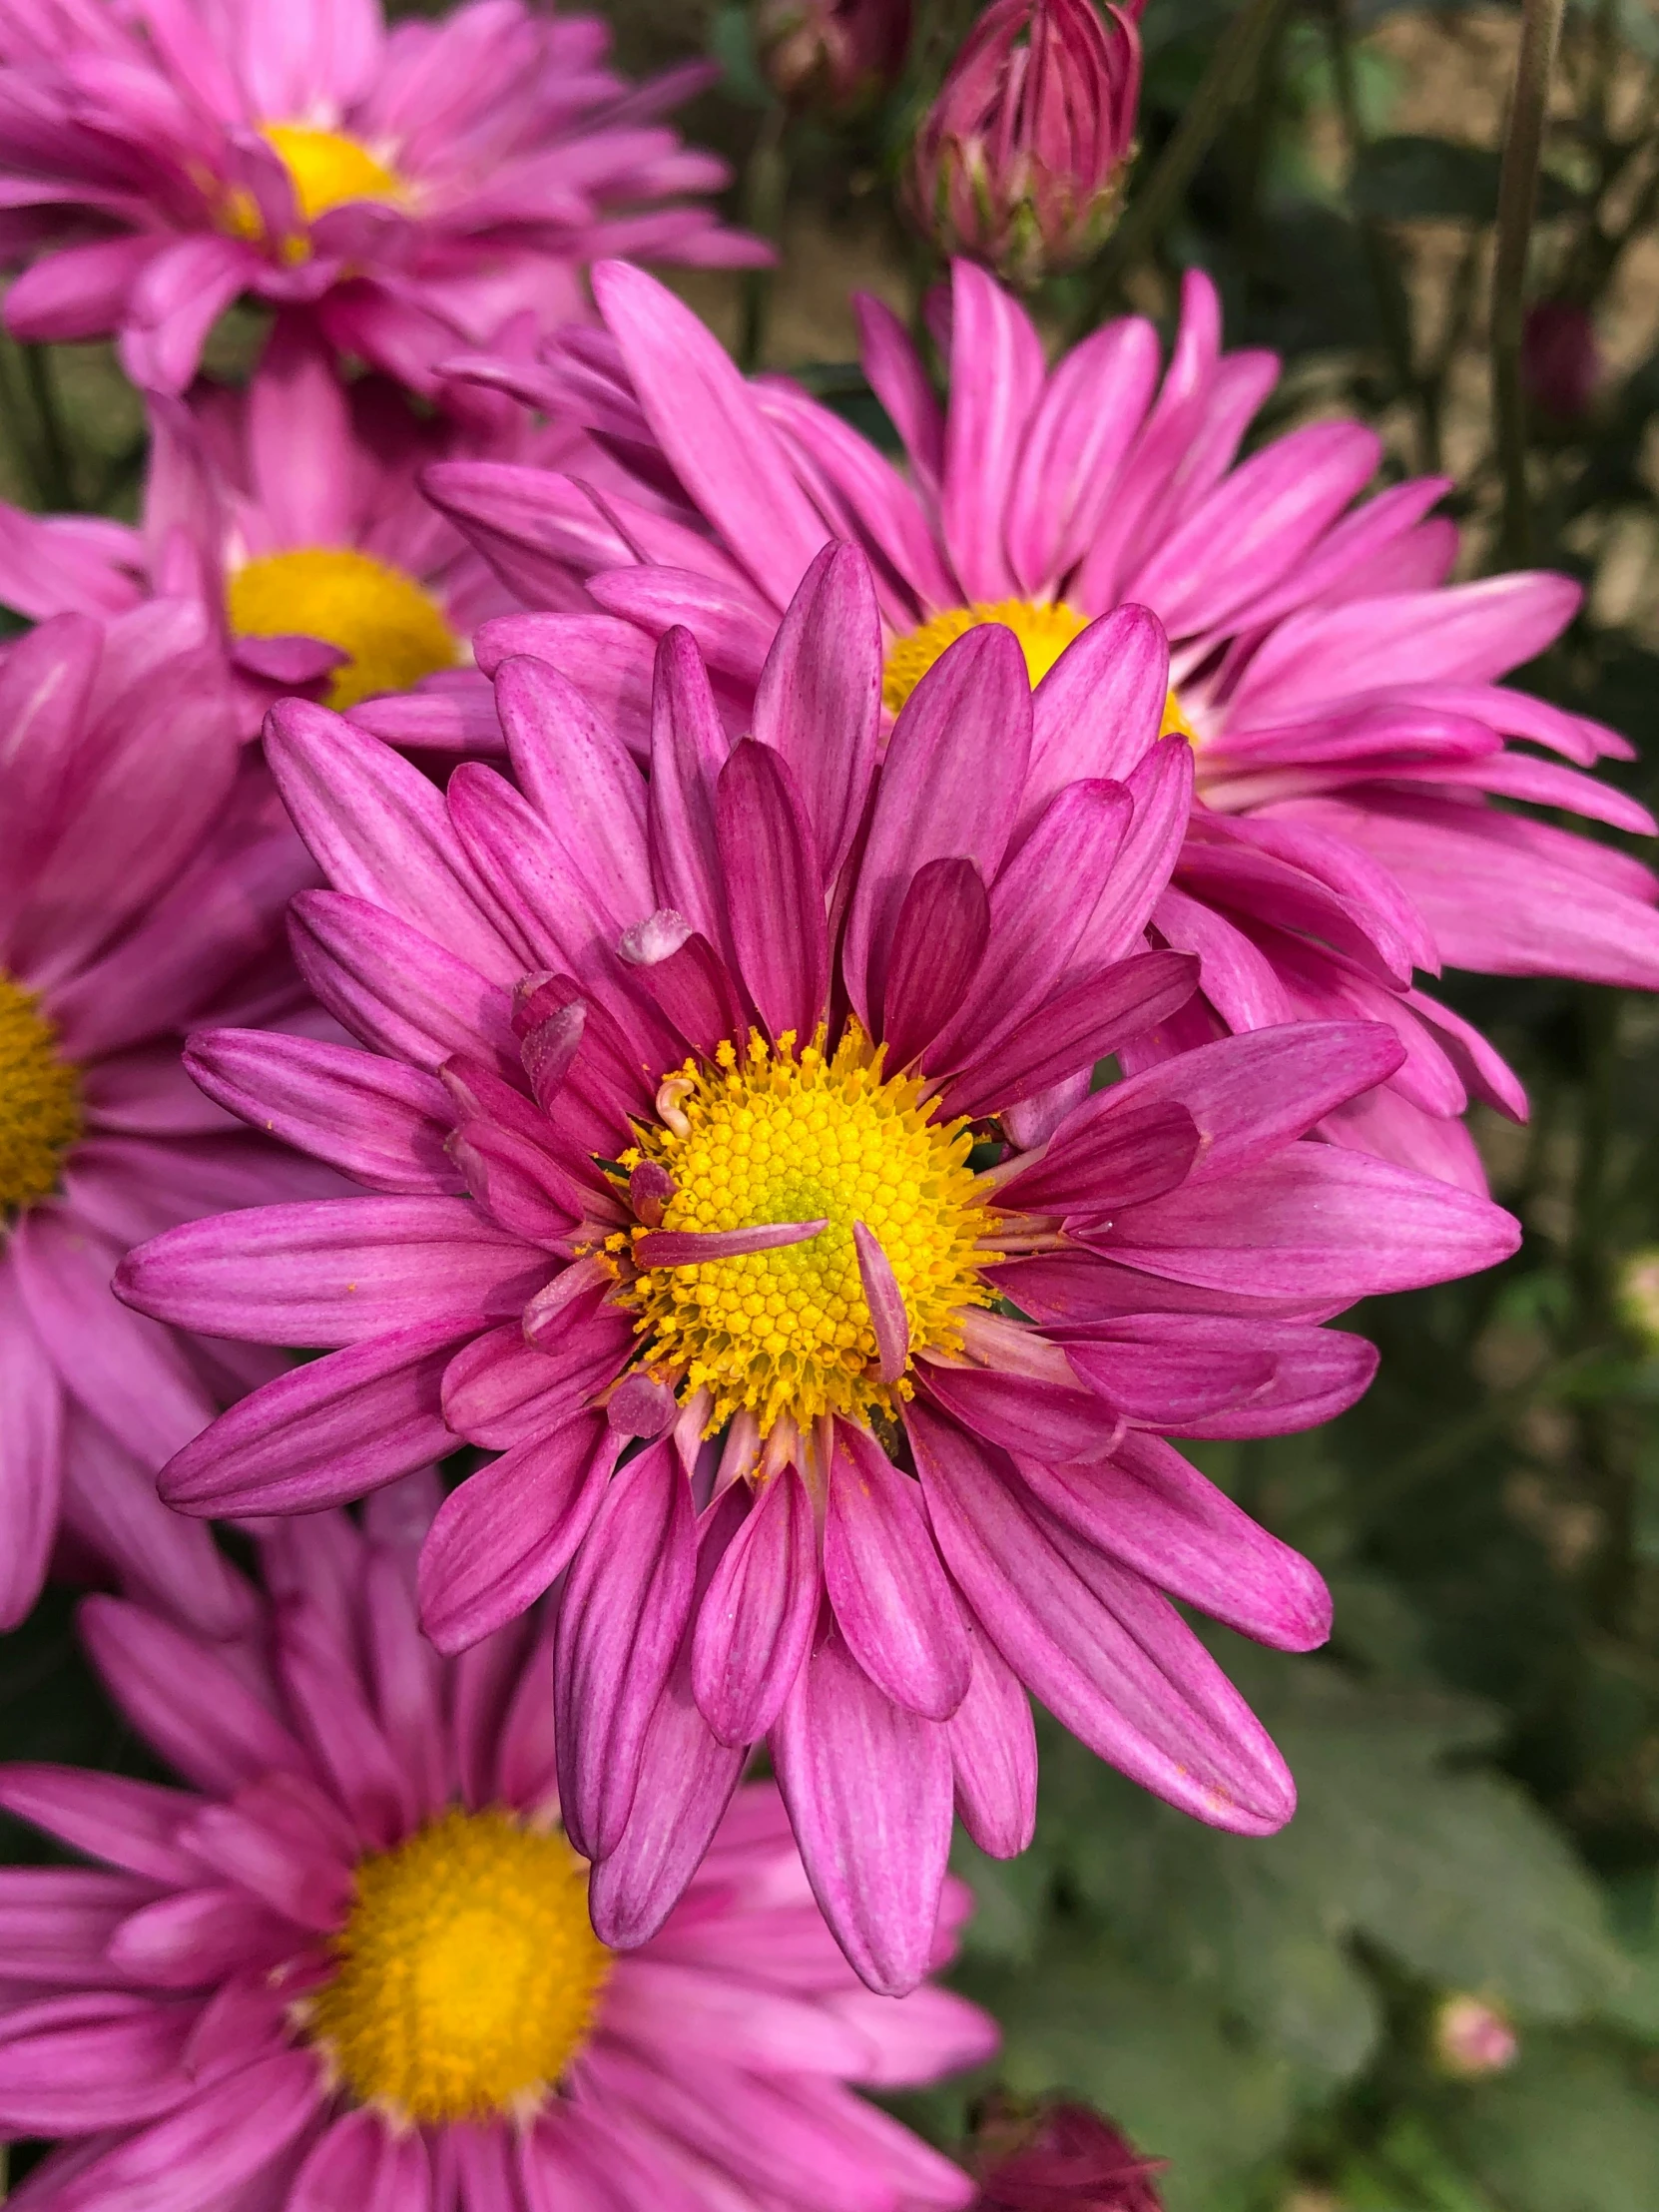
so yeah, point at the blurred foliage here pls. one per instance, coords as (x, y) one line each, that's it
(1479, 1752)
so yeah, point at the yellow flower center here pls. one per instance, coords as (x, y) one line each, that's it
(776, 1137)
(328, 169)
(1044, 630)
(394, 631)
(467, 1972)
(40, 1100)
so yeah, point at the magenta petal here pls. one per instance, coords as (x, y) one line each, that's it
(130, 1824)
(185, 1700)
(947, 791)
(1161, 787)
(688, 751)
(383, 1124)
(939, 942)
(1099, 708)
(500, 1390)
(73, 2065)
(323, 1434)
(31, 1455)
(197, 2158)
(690, 1248)
(363, 2164)
(1077, 1027)
(996, 376)
(756, 1622)
(994, 1755)
(818, 702)
(334, 1272)
(869, 1789)
(394, 988)
(885, 1302)
(685, 1781)
(775, 907)
(1147, 1507)
(625, 1605)
(501, 1538)
(582, 782)
(1023, 1414)
(889, 1594)
(1122, 1160)
(1107, 1655)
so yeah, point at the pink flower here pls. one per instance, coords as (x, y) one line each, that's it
(1059, 2158)
(1021, 160)
(143, 872)
(1349, 732)
(349, 1962)
(669, 1113)
(289, 512)
(838, 55)
(407, 186)
(1470, 2037)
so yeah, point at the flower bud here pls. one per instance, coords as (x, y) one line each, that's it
(1058, 2158)
(837, 56)
(1021, 160)
(1473, 2038)
(1560, 359)
(1637, 1297)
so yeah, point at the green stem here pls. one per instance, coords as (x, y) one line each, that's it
(765, 184)
(53, 473)
(1517, 196)
(1229, 78)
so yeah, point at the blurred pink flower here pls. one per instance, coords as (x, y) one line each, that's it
(349, 1962)
(1473, 2038)
(291, 512)
(1021, 160)
(1348, 733)
(835, 55)
(668, 1113)
(1059, 2157)
(410, 187)
(1562, 360)
(144, 869)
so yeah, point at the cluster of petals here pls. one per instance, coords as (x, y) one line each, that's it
(1021, 160)
(146, 864)
(153, 2006)
(1356, 818)
(406, 185)
(294, 463)
(531, 964)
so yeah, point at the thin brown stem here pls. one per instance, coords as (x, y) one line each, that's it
(1518, 199)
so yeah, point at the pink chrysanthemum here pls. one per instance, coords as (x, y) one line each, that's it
(406, 185)
(671, 1106)
(1347, 728)
(350, 1964)
(291, 512)
(144, 867)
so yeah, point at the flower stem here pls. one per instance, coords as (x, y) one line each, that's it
(1518, 195)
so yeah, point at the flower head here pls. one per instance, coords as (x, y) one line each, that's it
(838, 55)
(738, 1181)
(1472, 2038)
(1348, 731)
(350, 1959)
(144, 871)
(406, 187)
(289, 512)
(1021, 160)
(1059, 2157)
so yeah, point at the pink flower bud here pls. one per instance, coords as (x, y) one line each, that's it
(1473, 2038)
(1058, 2158)
(837, 56)
(1560, 359)
(1021, 163)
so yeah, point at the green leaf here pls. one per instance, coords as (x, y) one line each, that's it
(1570, 2128)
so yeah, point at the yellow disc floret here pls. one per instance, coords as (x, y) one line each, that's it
(40, 1100)
(393, 630)
(328, 169)
(467, 1972)
(1044, 630)
(773, 1136)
